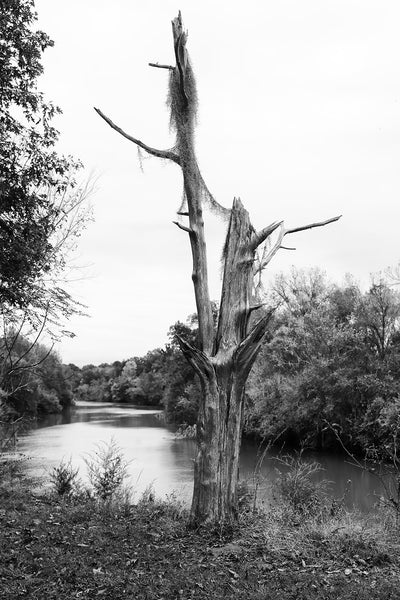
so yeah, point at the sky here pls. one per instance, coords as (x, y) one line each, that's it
(299, 106)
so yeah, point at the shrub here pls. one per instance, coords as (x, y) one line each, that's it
(107, 469)
(296, 486)
(64, 478)
(186, 431)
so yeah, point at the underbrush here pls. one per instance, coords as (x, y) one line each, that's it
(74, 542)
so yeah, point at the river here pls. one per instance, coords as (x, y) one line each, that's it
(156, 458)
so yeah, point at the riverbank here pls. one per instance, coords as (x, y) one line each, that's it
(62, 549)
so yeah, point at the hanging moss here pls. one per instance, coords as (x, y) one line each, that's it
(183, 102)
(183, 106)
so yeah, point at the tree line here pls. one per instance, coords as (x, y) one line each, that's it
(332, 358)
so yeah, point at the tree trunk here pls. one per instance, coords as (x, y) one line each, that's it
(223, 375)
(219, 428)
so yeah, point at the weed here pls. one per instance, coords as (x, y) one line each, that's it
(64, 478)
(107, 469)
(296, 486)
(384, 463)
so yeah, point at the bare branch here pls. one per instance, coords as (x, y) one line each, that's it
(267, 257)
(312, 225)
(32, 365)
(33, 344)
(278, 244)
(183, 227)
(260, 236)
(153, 151)
(170, 67)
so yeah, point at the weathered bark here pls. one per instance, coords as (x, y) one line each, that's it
(222, 360)
(223, 375)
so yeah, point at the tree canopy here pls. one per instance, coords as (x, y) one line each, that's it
(34, 177)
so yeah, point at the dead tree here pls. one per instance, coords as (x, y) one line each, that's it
(223, 359)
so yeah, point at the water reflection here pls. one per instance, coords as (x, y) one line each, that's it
(160, 459)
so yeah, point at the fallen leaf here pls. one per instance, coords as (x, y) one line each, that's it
(234, 574)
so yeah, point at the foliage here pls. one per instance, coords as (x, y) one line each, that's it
(35, 181)
(42, 213)
(333, 356)
(32, 378)
(297, 487)
(64, 478)
(187, 432)
(107, 469)
(382, 461)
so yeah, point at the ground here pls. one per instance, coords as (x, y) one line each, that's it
(54, 548)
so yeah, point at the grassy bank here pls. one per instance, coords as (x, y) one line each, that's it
(58, 548)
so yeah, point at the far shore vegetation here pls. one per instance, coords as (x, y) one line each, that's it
(331, 359)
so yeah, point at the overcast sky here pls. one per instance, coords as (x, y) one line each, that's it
(298, 115)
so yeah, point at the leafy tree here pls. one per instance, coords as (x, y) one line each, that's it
(34, 178)
(378, 315)
(182, 387)
(324, 363)
(32, 378)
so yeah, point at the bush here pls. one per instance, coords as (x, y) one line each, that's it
(64, 478)
(186, 431)
(297, 488)
(107, 469)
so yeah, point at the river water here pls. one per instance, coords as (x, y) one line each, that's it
(157, 458)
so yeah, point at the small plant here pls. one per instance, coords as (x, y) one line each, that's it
(185, 431)
(297, 487)
(383, 462)
(148, 495)
(246, 495)
(107, 469)
(257, 472)
(64, 478)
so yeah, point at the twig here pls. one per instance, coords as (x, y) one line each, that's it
(170, 67)
(183, 227)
